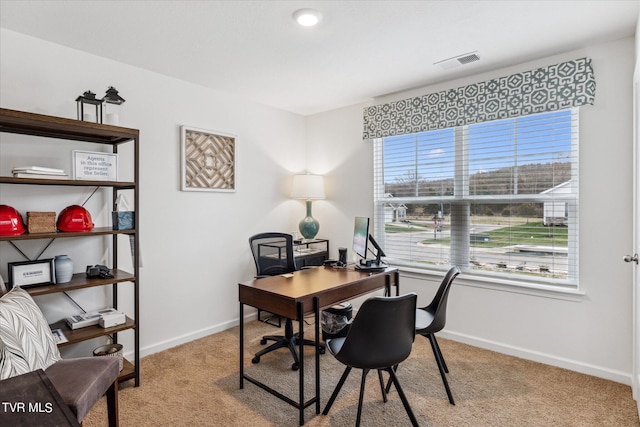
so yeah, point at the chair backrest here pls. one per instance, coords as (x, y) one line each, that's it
(438, 306)
(26, 341)
(381, 334)
(272, 253)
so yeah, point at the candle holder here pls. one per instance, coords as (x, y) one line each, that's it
(89, 98)
(113, 101)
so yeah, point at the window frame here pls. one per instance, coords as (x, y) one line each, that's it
(461, 197)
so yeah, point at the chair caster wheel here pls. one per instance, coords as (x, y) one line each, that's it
(263, 342)
(295, 367)
(255, 360)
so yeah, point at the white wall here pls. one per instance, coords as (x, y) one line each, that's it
(194, 244)
(590, 334)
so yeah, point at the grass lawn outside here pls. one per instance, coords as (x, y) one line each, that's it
(516, 231)
(534, 233)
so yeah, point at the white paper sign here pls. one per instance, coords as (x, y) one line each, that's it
(95, 166)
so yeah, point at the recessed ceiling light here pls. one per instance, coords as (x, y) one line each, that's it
(307, 17)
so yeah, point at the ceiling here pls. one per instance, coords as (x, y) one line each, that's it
(360, 49)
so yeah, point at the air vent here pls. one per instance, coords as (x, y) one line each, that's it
(456, 61)
(473, 57)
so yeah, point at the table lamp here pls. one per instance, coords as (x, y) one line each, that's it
(308, 187)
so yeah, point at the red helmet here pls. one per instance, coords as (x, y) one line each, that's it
(11, 223)
(74, 218)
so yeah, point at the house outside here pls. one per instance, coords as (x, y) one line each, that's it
(394, 212)
(556, 213)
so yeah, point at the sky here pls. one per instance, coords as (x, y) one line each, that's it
(539, 138)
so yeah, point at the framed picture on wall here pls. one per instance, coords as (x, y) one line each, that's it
(208, 160)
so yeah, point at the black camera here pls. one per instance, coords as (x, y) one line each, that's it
(98, 271)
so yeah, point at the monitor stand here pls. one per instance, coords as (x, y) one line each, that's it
(371, 265)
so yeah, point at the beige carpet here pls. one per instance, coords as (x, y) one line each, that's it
(197, 384)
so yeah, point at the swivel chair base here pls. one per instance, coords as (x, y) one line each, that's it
(289, 340)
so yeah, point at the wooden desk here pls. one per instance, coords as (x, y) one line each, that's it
(31, 400)
(307, 292)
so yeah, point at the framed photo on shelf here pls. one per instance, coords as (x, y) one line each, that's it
(208, 160)
(31, 273)
(95, 166)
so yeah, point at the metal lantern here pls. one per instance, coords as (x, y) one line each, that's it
(113, 101)
(89, 98)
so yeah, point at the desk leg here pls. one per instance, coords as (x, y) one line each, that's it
(241, 345)
(388, 283)
(316, 310)
(396, 277)
(301, 354)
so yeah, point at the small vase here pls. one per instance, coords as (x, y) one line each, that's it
(64, 268)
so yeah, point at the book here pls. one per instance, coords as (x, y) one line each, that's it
(38, 169)
(39, 172)
(39, 175)
(89, 319)
(58, 336)
(83, 320)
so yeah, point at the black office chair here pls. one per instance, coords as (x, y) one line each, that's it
(380, 337)
(431, 319)
(273, 255)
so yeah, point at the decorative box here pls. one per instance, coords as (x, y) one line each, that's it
(124, 220)
(41, 222)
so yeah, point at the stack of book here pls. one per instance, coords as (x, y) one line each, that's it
(39, 172)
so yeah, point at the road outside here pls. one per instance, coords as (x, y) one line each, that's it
(415, 241)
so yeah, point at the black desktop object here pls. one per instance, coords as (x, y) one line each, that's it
(361, 237)
(376, 264)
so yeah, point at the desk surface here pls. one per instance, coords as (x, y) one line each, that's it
(279, 294)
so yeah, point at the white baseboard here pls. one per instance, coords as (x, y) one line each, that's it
(573, 365)
(548, 359)
(182, 339)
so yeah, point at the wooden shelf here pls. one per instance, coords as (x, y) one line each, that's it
(80, 281)
(75, 336)
(21, 122)
(128, 371)
(122, 185)
(97, 231)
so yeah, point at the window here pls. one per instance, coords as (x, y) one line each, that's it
(499, 197)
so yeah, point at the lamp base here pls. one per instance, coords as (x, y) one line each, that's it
(309, 226)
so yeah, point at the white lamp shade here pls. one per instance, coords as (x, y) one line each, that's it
(307, 187)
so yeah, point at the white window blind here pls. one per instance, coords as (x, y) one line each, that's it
(500, 197)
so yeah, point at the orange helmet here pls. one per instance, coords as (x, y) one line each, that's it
(74, 218)
(11, 223)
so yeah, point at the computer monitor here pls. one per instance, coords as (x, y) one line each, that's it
(360, 236)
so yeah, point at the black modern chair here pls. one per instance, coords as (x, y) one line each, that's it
(381, 336)
(273, 255)
(431, 319)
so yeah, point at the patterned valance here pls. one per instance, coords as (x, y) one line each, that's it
(565, 85)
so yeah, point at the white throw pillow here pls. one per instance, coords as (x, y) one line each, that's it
(26, 341)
